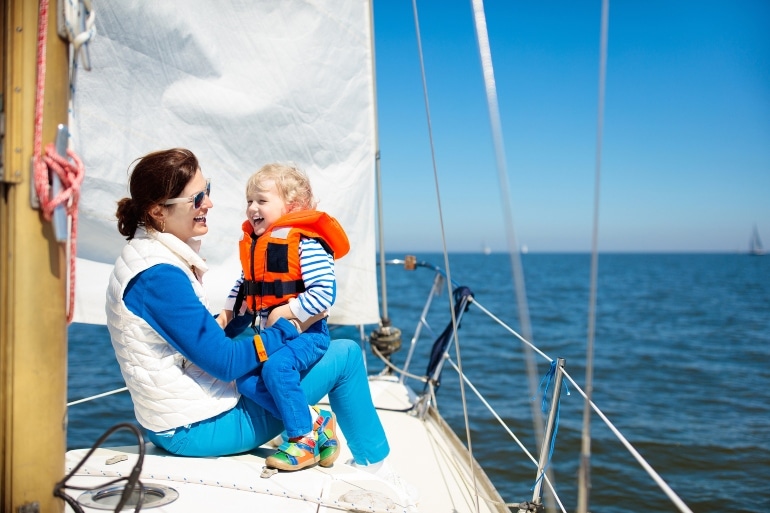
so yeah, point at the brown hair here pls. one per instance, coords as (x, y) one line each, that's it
(156, 177)
(292, 184)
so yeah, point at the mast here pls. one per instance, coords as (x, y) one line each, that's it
(33, 326)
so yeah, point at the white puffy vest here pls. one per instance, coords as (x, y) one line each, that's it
(167, 390)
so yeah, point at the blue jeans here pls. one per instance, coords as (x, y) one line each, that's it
(275, 385)
(339, 373)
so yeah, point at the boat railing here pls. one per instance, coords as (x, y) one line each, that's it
(556, 375)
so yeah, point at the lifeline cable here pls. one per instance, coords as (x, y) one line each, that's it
(468, 437)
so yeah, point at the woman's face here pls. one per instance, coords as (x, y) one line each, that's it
(184, 220)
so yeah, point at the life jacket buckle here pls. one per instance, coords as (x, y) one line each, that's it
(278, 288)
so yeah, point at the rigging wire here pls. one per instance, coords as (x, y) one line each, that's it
(507, 430)
(584, 475)
(444, 248)
(510, 330)
(490, 88)
(651, 471)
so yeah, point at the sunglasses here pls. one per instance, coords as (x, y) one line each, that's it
(196, 199)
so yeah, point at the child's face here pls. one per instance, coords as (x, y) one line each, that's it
(264, 207)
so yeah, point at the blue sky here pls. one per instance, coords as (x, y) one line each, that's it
(686, 146)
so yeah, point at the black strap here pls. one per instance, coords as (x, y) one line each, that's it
(238, 301)
(275, 288)
(239, 298)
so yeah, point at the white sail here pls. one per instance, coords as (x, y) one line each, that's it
(755, 244)
(241, 84)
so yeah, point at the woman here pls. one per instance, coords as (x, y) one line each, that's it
(177, 362)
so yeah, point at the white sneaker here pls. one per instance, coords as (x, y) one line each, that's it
(408, 493)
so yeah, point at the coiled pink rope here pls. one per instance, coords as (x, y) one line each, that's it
(70, 171)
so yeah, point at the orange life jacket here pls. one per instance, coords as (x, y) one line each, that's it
(270, 262)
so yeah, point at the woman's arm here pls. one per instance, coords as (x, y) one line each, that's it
(163, 296)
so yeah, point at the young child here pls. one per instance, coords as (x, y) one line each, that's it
(287, 253)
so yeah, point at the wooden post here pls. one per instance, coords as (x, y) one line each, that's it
(33, 273)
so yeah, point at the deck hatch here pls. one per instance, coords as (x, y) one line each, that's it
(107, 498)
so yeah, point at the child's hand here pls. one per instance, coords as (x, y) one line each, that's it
(224, 318)
(279, 311)
(312, 320)
(285, 312)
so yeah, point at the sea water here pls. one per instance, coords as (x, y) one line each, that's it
(679, 367)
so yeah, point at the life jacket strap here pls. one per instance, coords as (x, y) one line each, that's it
(275, 288)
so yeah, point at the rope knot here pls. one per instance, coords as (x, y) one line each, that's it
(70, 172)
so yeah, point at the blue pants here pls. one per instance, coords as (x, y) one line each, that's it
(339, 373)
(279, 378)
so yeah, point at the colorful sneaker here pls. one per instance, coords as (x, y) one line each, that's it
(298, 453)
(326, 429)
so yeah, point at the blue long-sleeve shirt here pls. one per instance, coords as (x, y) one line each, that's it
(163, 297)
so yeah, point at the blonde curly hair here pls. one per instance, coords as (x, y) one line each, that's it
(292, 184)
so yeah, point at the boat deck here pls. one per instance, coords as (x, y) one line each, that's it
(425, 453)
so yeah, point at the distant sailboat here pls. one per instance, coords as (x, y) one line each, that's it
(755, 244)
